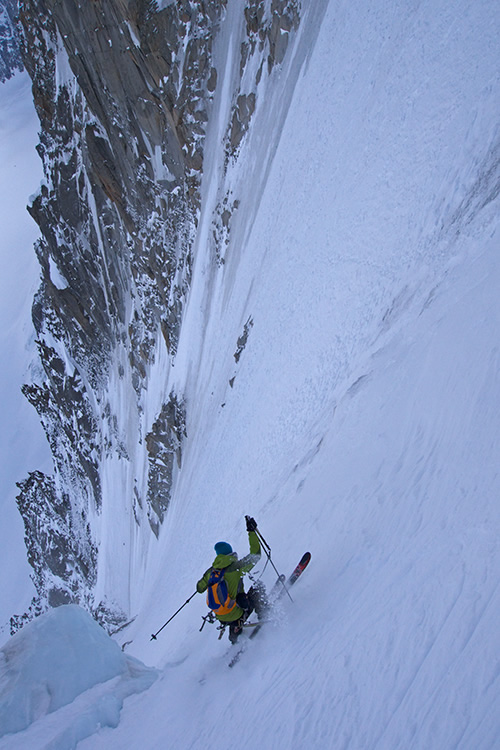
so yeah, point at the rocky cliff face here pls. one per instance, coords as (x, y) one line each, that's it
(124, 91)
(10, 53)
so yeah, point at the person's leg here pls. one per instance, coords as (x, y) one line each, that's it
(243, 600)
(235, 630)
(257, 598)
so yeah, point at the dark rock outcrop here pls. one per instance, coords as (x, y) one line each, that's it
(164, 446)
(63, 568)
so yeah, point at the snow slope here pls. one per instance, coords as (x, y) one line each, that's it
(362, 422)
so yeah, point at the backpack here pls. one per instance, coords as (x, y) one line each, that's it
(218, 597)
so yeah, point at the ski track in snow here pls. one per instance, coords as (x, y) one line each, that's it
(362, 423)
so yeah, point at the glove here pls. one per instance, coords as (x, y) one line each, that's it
(251, 523)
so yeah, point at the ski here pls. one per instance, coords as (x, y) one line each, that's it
(281, 584)
(304, 562)
(278, 590)
(254, 624)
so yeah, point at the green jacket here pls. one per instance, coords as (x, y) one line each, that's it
(235, 570)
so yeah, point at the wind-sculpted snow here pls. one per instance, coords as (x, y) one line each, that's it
(53, 660)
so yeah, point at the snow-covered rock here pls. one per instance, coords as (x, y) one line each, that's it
(10, 53)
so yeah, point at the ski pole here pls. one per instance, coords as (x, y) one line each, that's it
(153, 636)
(267, 550)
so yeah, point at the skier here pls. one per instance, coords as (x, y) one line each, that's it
(224, 585)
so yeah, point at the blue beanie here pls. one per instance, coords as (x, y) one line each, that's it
(223, 548)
